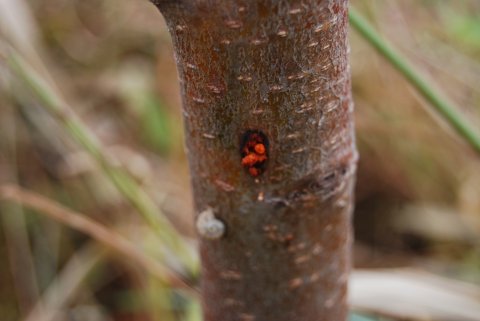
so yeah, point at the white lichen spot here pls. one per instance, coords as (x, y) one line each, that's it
(241, 9)
(209, 136)
(296, 76)
(317, 249)
(230, 275)
(225, 41)
(313, 44)
(208, 226)
(299, 150)
(304, 108)
(180, 27)
(295, 11)
(276, 88)
(271, 227)
(301, 111)
(224, 185)
(326, 66)
(314, 277)
(302, 259)
(329, 303)
(293, 135)
(246, 317)
(244, 78)
(295, 283)
(257, 41)
(191, 66)
(260, 197)
(233, 24)
(215, 89)
(318, 28)
(282, 33)
(301, 246)
(341, 203)
(332, 105)
(229, 302)
(198, 100)
(321, 121)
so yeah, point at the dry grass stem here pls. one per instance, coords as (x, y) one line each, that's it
(103, 235)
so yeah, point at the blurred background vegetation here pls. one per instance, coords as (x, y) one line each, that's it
(418, 187)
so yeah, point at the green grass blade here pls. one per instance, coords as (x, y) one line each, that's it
(125, 184)
(443, 107)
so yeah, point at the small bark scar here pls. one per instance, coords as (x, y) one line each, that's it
(208, 226)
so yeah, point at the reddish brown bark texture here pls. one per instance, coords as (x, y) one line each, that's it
(279, 67)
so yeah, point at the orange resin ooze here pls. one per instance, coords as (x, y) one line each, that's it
(254, 152)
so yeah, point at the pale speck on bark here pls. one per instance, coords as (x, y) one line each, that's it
(279, 67)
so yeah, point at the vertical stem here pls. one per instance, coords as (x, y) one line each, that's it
(275, 218)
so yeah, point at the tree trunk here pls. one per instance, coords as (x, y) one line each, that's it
(269, 135)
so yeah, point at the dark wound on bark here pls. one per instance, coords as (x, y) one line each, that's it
(254, 152)
(278, 67)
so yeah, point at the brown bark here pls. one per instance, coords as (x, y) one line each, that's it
(275, 73)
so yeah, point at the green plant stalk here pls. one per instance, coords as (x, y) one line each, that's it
(443, 107)
(125, 184)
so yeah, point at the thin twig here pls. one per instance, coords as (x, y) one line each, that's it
(107, 237)
(443, 107)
